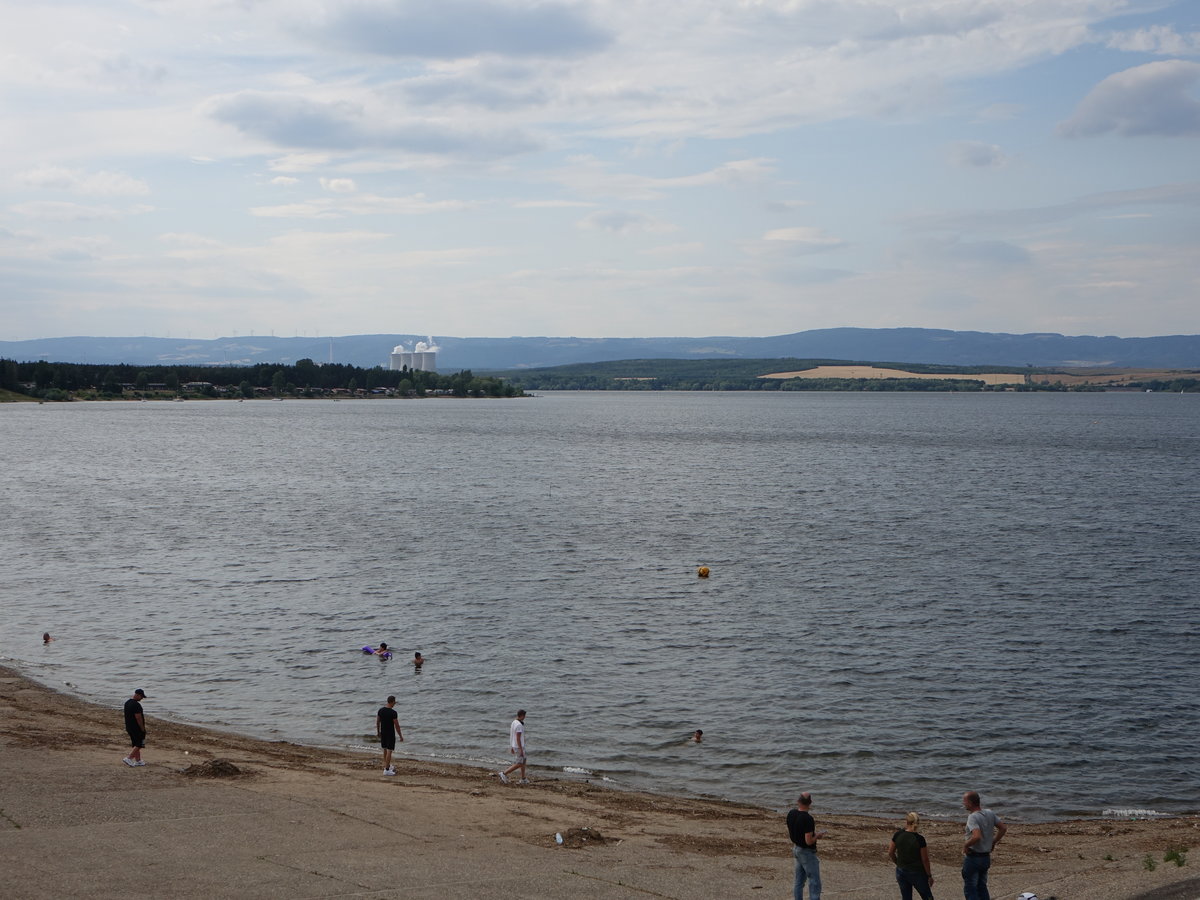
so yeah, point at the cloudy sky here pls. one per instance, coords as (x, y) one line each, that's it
(596, 168)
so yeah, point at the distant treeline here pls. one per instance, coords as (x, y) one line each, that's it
(64, 381)
(743, 375)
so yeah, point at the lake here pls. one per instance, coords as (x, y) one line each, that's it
(910, 595)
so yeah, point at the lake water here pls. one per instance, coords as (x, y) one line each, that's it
(911, 594)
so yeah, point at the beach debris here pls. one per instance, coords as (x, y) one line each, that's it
(576, 838)
(702, 572)
(214, 768)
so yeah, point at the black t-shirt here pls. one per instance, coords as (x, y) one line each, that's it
(799, 824)
(908, 850)
(132, 708)
(388, 718)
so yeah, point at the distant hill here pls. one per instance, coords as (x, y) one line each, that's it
(902, 345)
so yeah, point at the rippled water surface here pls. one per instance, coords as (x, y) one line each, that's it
(911, 594)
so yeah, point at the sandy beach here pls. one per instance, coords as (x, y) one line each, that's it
(309, 822)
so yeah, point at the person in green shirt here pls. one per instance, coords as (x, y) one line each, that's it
(911, 857)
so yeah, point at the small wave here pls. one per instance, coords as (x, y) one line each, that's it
(1122, 813)
(577, 770)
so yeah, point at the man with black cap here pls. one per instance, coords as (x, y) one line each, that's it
(135, 724)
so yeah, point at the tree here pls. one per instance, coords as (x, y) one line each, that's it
(246, 388)
(8, 375)
(171, 381)
(142, 382)
(306, 373)
(278, 382)
(110, 385)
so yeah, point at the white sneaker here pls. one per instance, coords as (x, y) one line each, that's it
(140, 762)
(523, 781)
(389, 771)
(503, 778)
(129, 762)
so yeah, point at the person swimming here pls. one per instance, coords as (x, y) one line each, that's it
(46, 637)
(383, 651)
(418, 659)
(697, 736)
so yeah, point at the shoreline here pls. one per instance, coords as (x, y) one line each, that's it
(304, 821)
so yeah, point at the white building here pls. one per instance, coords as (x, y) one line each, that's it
(423, 356)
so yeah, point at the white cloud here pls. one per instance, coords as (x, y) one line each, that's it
(1163, 40)
(76, 181)
(1154, 99)
(305, 124)
(977, 155)
(622, 222)
(955, 251)
(358, 205)
(594, 178)
(802, 240)
(455, 29)
(339, 185)
(998, 112)
(681, 249)
(284, 181)
(1185, 195)
(62, 211)
(551, 204)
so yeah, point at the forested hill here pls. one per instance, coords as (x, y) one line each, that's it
(742, 375)
(838, 375)
(925, 345)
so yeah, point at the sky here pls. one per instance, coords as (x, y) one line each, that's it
(598, 168)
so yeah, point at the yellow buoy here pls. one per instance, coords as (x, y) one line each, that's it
(702, 571)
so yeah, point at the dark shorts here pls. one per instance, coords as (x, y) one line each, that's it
(388, 742)
(137, 738)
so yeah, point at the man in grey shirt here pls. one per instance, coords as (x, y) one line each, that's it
(984, 831)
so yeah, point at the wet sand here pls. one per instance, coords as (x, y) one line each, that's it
(302, 822)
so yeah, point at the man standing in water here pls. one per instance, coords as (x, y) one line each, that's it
(387, 729)
(135, 725)
(803, 832)
(516, 746)
(984, 831)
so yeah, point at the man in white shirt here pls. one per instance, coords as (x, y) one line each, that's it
(984, 831)
(516, 746)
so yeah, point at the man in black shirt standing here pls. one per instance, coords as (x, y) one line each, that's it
(804, 834)
(387, 727)
(135, 725)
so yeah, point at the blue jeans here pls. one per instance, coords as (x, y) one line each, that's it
(974, 872)
(907, 881)
(808, 868)
(910, 880)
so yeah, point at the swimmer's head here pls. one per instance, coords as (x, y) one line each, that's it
(46, 638)
(382, 646)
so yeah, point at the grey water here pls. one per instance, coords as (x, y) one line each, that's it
(911, 594)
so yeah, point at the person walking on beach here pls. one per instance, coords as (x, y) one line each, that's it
(984, 831)
(135, 725)
(387, 729)
(911, 857)
(516, 746)
(803, 831)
